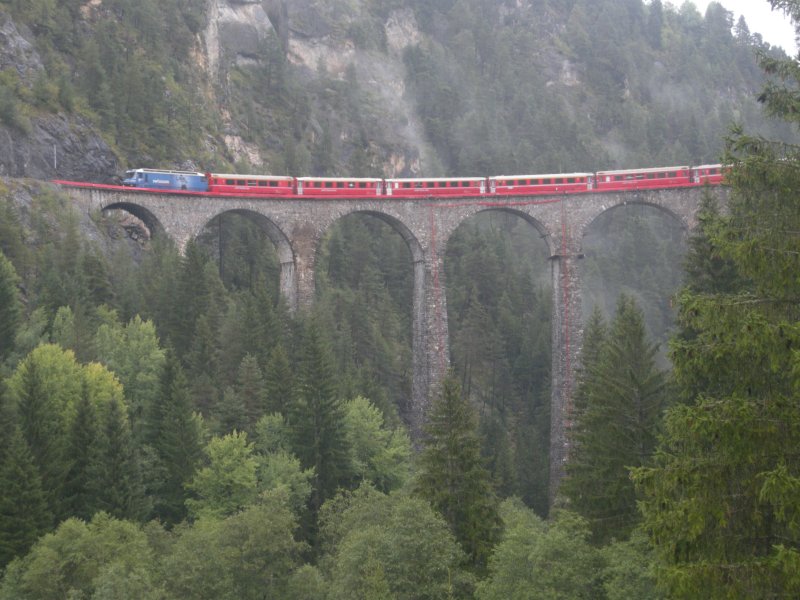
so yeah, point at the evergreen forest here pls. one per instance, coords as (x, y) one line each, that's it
(169, 429)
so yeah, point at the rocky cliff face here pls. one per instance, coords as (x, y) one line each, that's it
(45, 146)
(319, 37)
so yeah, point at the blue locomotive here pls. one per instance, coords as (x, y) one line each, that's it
(166, 180)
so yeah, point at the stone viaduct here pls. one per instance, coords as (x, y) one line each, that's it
(296, 226)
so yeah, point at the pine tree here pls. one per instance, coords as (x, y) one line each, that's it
(10, 307)
(24, 514)
(230, 412)
(278, 381)
(452, 476)
(250, 387)
(40, 422)
(116, 480)
(316, 418)
(620, 402)
(78, 500)
(173, 434)
(721, 502)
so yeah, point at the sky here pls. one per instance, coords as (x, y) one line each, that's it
(773, 26)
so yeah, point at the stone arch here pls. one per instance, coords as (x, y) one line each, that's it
(538, 225)
(677, 216)
(397, 224)
(283, 248)
(153, 224)
(421, 335)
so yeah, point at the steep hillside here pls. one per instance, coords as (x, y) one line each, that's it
(383, 87)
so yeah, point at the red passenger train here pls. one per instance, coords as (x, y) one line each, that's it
(286, 186)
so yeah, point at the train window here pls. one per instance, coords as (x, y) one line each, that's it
(662, 175)
(262, 184)
(547, 181)
(229, 182)
(240, 182)
(340, 184)
(252, 183)
(673, 174)
(362, 185)
(712, 171)
(570, 180)
(328, 184)
(618, 178)
(273, 184)
(651, 176)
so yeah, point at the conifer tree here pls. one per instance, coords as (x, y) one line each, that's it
(78, 500)
(172, 431)
(721, 502)
(24, 514)
(40, 423)
(116, 482)
(278, 381)
(620, 402)
(230, 412)
(250, 388)
(452, 476)
(316, 418)
(10, 308)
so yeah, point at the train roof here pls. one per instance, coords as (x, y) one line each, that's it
(649, 170)
(169, 171)
(344, 179)
(436, 179)
(259, 177)
(716, 166)
(542, 176)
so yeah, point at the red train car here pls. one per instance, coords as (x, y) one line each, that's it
(436, 186)
(524, 185)
(710, 174)
(643, 178)
(347, 187)
(250, 185)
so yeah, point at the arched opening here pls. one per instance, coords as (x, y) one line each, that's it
(250, 251)
(499, 305)
(366, 269)
(636, 249)
(136, 221)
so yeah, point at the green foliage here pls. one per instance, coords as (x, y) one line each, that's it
(379, 455)
(249, 555)
(281, 472)
(24, 513)
(173, 432)
(392, 546)
(316, 418)
(630, 569)
(78, 558)
(720, 502)
(616, 419)
(499, 319)
(116, 480)
(452, 477)
(537, 559)
(228, 484)
(10, 306)
(133, 353)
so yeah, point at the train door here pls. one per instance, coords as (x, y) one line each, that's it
(299, 187)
